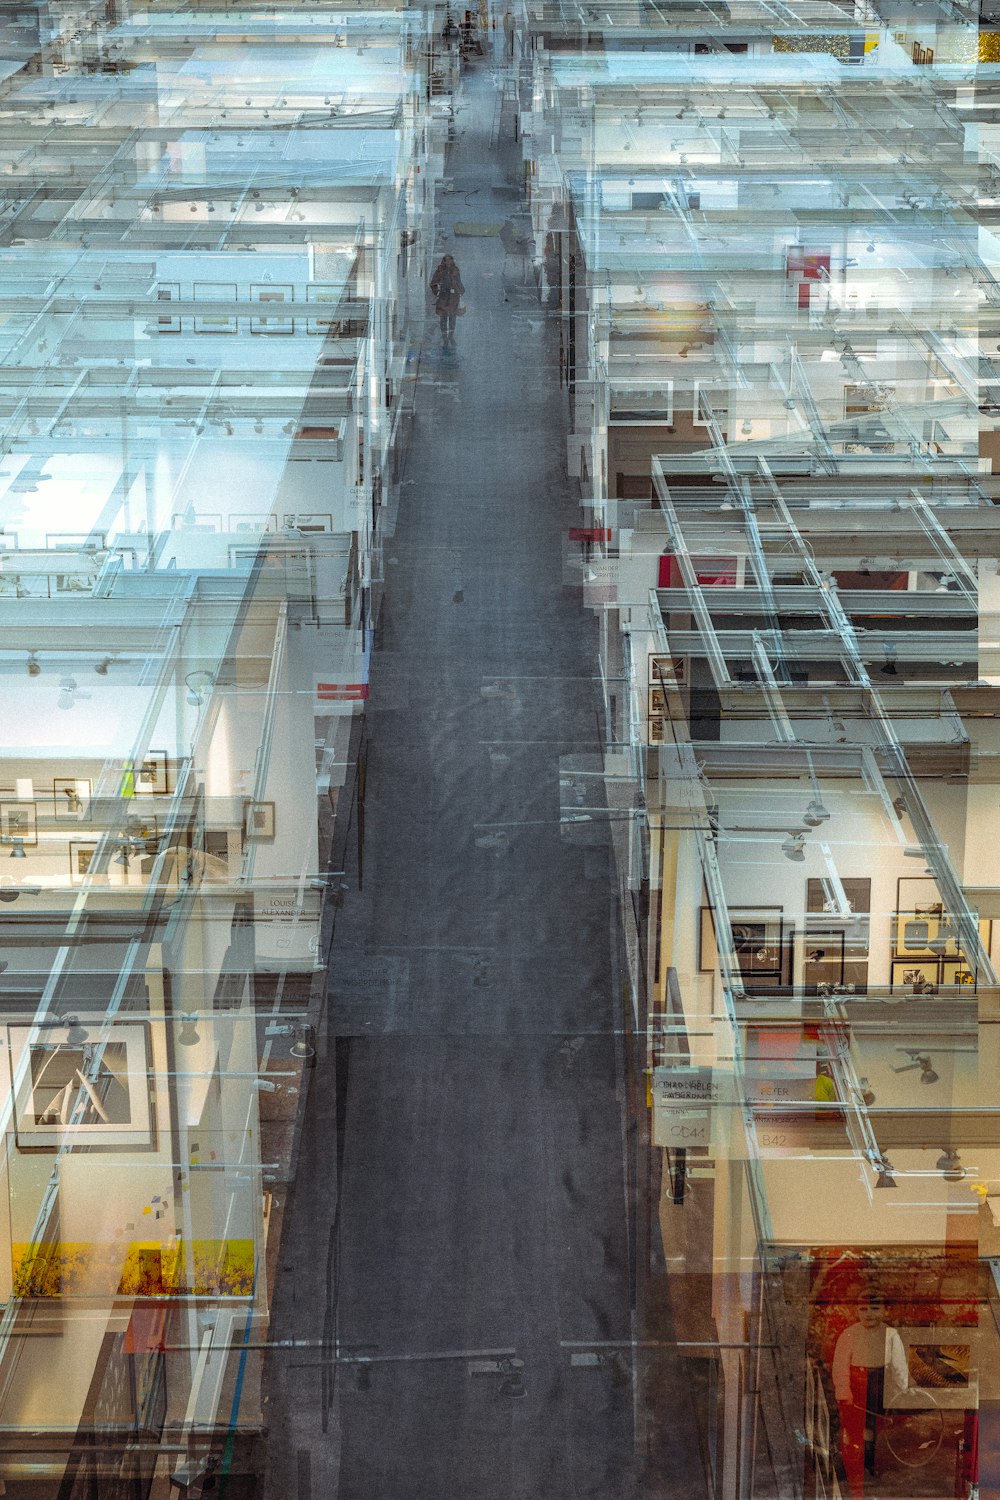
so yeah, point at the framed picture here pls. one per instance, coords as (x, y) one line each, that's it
(88, 1084)
(80, 857)
(909, 975)
(272, 324)
(151, 776)
(326, 322)
(258, 822)
(957, 971)
(71, 796)
(666, 670)
(759, 936)
(218, 320)
(19, 824)
(307, 521)
(822, 956)
(250, 523)
(941, 1364)
(168, 291)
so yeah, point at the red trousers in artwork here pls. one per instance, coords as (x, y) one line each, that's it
(857, 1426)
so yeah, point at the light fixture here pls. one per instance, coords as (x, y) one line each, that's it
(197, 685)
(18, 850)
(866, 1091)
(101, 667)
(303, 1045)
(884, 1168)
(815, 814)
(188, 1034)
(949, 1166)
(77, 1034)
(794, 847)
(747, 427)
(888, 667)
(33, 665)
(919, 1060)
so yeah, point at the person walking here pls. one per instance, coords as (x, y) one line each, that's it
(446, 285)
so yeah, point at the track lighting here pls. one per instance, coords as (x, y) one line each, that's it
(884, 1168)
(101, 667)
(949, 1166)
(18, 850)
(188, 1034)
(919, 1060)
(303, 1045)
(794, 847)
(815, 814)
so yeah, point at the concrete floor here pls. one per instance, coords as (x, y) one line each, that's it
(461, 1181)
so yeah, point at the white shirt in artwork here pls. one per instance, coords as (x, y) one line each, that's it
(869, 1348)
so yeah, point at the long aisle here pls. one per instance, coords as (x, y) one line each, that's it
(468, 1103)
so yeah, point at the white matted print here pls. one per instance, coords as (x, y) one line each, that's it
(81, 1083)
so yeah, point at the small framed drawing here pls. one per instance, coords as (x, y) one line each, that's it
(88, 1084)
(219, 319)
(910, 975)
(272, 324)
(81, 855)
(168, 291)
(325, 321)
(258, 822)
(957, 971)
(942, 1368)
(151, 776)
(71, 795)
(19, 824)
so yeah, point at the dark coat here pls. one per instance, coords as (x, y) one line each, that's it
(446, 284)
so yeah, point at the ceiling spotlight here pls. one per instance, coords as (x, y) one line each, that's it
(949, 1166)
(101, 667)
(888, 667)
(884, 1168)
(188, 1034)
(77, 1034)
(866, 1091)
(747, 427)
(794, 847)
(197, 685)
(303, 1047)
(870, 247)
(815, 814)
(18, 850)
(33, 665)
(919, 1060)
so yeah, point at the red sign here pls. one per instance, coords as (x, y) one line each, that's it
(590, 533)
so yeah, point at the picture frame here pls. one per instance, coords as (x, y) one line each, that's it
(271, 325)
(19, 823)
(822, 952)
(215, 291)
(81, 854)
(258, 822)
(332, 295)
(168, 291)
(93, 1091)
(906, 972)
(942, 1367)
(760, 940)
(67, 792)
(955, 971)
(307, 521)
(152, 778)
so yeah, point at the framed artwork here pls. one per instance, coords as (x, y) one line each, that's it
(323, 322)
(258, 822)
(907, 974)
(168, 291)
(666, 669)
(19, 823)
(88, 1084)
(942, 1367)
(759, 941)
(251, 524)
(71, 796)
(151, 776)
(272, 324)
(216, 321)
(80, 858)
(822, 956)
(957, 971)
